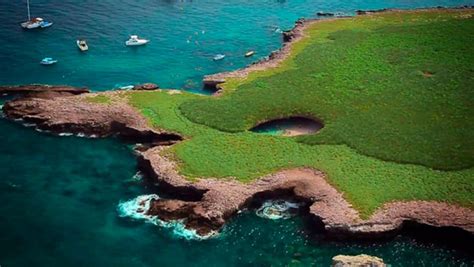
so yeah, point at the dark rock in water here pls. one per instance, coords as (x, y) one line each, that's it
(146, 86)
(361, 260)
(288, 36)
(42, 90)
(325, 14)
(212, 83)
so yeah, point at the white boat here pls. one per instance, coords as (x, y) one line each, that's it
(134, 41)
(82, 44)
(34, 23)
(48, 61)
(219, 57)
(249, 53)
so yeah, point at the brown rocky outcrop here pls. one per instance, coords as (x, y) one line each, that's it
(216, 200)
(145, 86)
(75, 114)
(44, 91)
(361, 260)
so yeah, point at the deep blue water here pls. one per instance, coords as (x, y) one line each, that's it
(59, 195)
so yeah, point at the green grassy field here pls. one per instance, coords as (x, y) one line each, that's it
(99, 99)
(394, 90)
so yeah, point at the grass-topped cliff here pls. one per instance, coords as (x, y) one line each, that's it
(395, 92)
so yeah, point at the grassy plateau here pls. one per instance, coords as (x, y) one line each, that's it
(394, 90)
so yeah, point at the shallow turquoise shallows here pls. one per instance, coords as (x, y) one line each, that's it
(60, 195)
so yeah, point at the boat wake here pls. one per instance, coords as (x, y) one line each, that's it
(137, 208)
(278, 209)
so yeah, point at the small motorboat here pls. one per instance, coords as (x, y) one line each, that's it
(134, 41)
(45, 24)
(48, 61)
(82, 44)
(249, 53)
(219, 57)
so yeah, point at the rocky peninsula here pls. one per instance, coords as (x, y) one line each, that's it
(206, 203)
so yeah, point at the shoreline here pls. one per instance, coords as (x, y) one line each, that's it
(294, 35)
(207, 203)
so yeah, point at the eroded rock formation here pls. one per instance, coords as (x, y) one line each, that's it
(75, 114)
(216, 200)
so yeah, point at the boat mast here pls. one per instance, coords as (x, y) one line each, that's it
(28, 5)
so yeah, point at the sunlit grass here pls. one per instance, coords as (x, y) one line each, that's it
(393, 90)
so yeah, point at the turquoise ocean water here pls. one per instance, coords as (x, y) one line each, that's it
(59, 195)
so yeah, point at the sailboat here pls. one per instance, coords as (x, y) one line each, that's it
(34, 23)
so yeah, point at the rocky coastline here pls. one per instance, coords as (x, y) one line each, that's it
(42, 91)
(206, 204)
(74, 114)
(214, 81)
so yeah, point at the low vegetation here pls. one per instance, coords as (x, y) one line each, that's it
(99, 99)
(395, 93)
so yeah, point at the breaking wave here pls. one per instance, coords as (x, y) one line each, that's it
(137, 208)
(278, 209)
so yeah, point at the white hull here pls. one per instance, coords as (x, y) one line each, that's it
(136, 43)
(28, 25)
(35, 23)
(83, 47)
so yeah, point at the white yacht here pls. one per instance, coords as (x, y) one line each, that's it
(34, 23)
(134, 41)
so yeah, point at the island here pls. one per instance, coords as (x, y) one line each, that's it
(376, 131)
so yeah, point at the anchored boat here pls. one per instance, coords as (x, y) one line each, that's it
(34, 23)
(249, 53)
(48, 61)
(135, 41)
(82, 44)
(219, 57)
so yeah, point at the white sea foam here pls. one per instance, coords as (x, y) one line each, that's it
(82, 135)
(123, 86)
(277, 209)
(136, 208)
(135, 178)
(138, 176)
(42, 131)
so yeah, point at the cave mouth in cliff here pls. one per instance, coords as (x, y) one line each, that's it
(290, 126)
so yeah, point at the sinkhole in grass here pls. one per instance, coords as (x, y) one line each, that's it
(291, 126)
